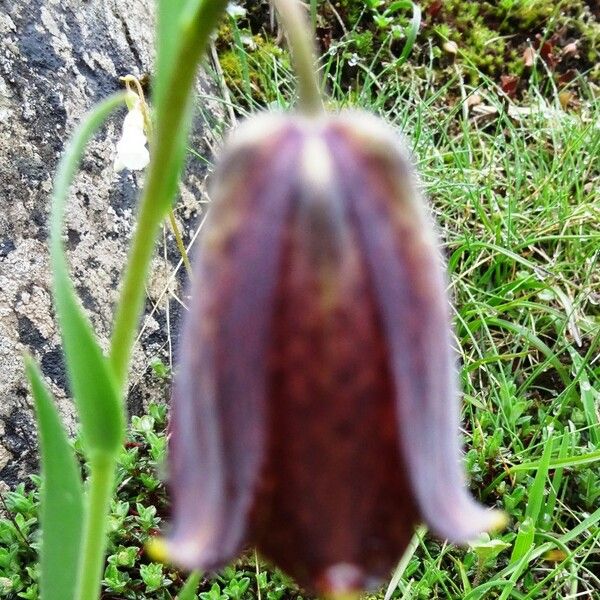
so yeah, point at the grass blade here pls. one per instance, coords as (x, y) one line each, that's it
(526, 536)
(590, 398)
(401, 568)
(412, 30)
(556, 481)
(568, 461)
(411, 34)
(92, 382)
(524, 540)
(536, 495)
(61, 496)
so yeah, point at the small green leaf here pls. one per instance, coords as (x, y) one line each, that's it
(61, 496)
(188, 591)
(487, 549)
(92, 383)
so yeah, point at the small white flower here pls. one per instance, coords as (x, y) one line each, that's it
(235, 10)
(131, 148)
(248, 41)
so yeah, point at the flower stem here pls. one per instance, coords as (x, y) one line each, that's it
(132, 80)
(101, 482)
(300, 40)
(179, 241)
(155, 201)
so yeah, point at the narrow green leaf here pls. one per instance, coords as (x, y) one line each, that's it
(536, 492)
(92, 383)
(184, 28)
(590, 397)
(171, 17)
(167, 38)
(411, 34)
(585, 525)
(61, 496)
(242, 57)
(568, 461)
(188, 591)
(556, 481)
(464, 579)
(403, 564)
(524, 540)
(198, 21)
(527, 529)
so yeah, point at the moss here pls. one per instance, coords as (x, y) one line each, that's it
(526, 13)
(361, 42)
(492, 36)
(262, 65)
(258, 59)
(232, 68)
(351, 11)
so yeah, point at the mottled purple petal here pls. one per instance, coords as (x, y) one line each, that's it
(336, 510)
(407, 272)
(218, 413)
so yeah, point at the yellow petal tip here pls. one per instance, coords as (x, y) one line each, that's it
(350, 595)
(498, 521)
(156, 549)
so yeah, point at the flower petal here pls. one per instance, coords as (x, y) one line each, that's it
(399, 243)
(218, 411)
(336, 509)
(134, 158)
(134, 120)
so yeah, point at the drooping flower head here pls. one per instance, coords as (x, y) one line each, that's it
(315, 413)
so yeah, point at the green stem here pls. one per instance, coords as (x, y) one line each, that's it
(101, 483)
(313, 15)
(298, 30)
(156, 199)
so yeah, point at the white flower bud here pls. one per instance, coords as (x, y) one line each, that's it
(131, 148)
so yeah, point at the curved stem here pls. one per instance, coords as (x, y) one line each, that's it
(155, 201)
(298, 31)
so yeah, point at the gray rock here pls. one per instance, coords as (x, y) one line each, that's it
(57, 58)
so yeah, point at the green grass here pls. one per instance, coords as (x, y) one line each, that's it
(518, 207)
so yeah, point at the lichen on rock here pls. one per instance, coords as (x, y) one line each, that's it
(58, 59)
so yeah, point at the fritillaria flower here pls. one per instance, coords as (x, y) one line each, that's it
(315, 414)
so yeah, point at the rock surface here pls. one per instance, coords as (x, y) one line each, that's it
(58, 58)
